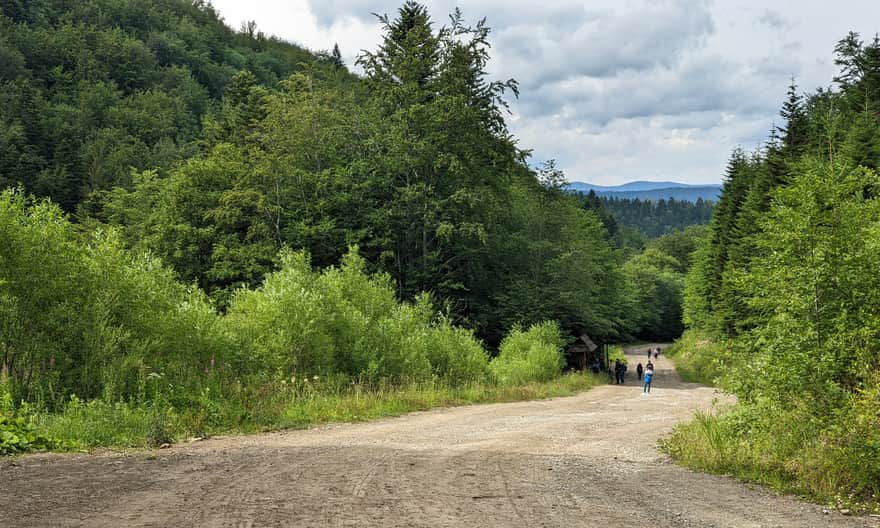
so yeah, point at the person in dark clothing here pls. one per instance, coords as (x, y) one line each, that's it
(639, 371)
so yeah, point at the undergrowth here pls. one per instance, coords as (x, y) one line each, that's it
(699, 359)
(826, 454)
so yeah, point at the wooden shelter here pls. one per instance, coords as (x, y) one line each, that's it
(583, 353)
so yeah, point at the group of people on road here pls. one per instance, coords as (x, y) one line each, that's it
(645, 373)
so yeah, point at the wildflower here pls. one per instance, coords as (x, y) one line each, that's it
(315, 378)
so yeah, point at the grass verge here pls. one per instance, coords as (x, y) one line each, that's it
(278, 406)
(699, 359)
(787, 452)
(829, 457)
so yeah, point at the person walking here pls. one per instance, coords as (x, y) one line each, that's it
(639, 371)
(649, 376)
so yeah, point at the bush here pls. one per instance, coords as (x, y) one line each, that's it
(455, 354)
(531, 355)
(699, 359)
(16, 434)
(84, 316)
(616, 353)
(341, 320)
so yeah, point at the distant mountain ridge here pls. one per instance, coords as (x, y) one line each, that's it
(645, 190)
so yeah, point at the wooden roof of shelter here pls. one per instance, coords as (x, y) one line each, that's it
(589, 342)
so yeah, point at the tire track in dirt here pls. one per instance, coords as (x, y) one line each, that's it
(588, 460)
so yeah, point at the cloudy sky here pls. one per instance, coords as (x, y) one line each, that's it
(619, 90)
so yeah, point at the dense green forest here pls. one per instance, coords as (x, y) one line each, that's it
(198, 220)
(656, 218)
(90, 90)
(782, 301)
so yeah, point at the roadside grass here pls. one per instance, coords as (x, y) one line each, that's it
(699, 359)
(787, 453)
(829, 458)
(708, 444)
(96, 423)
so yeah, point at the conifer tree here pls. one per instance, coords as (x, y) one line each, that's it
(794, 132)
(336, 57)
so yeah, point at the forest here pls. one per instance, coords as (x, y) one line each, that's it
(208, 229)
(655, 218)
(782, 305)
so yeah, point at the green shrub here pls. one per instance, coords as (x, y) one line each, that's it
(85, 316)
(455, 355)
(531, 355)
(17, 436)
(302, 323)
(700, 359)
(616, 353)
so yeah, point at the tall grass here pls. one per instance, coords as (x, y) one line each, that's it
(700, 359)
(280, 406)
(830, 457)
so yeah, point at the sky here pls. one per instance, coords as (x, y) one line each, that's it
(618, 90)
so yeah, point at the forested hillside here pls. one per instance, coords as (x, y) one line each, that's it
(654, 218)
(91, 90)
(783, 301)
(199, 219)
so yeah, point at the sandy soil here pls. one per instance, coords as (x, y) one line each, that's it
(588, 460)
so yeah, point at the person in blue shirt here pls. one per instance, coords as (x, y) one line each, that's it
(649, 375)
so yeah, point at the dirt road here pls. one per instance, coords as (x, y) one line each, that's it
(588, 460)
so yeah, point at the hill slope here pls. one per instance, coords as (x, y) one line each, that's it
(652, 190)
(91, 89)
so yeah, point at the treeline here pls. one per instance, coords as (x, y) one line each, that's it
(787, 282)
(213, 150)
(654, 218)
(217, 173)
